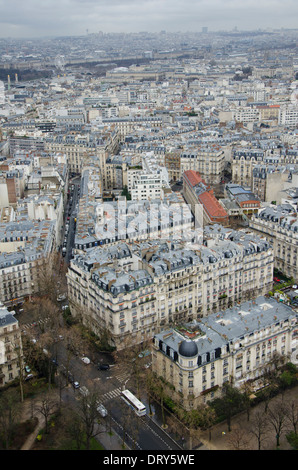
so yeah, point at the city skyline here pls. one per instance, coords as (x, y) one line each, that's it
(79, 17)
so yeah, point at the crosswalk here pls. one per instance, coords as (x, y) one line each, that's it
(110, 395)
(123, 377)
(35, 323)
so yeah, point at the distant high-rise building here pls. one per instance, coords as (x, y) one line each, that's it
(2, 93)
(205, 29)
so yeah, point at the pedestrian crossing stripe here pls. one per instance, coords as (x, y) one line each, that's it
(123, 377)
(112, 394)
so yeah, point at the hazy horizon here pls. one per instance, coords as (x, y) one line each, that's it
(52, 18)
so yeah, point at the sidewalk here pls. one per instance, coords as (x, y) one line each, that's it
(109, 442)
(28, 413)
(221, 439)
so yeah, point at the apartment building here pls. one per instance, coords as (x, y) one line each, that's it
(235, 344)
(245, 160)
(24, 247)
(133, 290)
(279, 224)
(27, 144)
(77, 150)
(209, 161)
(12, 184)
(110, 222)
(149, 181)
(288, 116)
(145, 186)
(269, 112)
(172, 164)
(270, 182)
(128, 124)
(246, 114)
(10, 347)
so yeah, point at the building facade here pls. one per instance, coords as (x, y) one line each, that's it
(279, 225)
(231, 346)
(10, 347)
(133, 290)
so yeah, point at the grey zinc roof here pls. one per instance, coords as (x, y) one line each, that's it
(6, 317)
(230, 325)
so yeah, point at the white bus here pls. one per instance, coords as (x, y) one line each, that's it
(138, 407)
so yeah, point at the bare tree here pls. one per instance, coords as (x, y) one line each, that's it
(277, 418)
(74, 427)
(259, 427)
(246, 390)
(148, 383)
(9, 415)
(46, 406)
(238, 439)
(50, 277)
(292, 414)
(87, 414)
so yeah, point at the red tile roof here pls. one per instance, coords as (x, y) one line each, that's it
(212, 206)
(193, 177)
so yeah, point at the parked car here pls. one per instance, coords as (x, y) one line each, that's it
(86, 360)
(103, 367)
(29, 377)
(70, 377)
(27, 369)
(102, 410)
(75, 384)
(61, 297)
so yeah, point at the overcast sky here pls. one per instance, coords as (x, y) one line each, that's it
(37, 18)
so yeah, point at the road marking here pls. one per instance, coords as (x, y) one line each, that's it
(109, 395)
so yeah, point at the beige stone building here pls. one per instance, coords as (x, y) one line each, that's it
(11, 353)
(209, 161)
(244, 161)
(279, 225)
(230, 346)
(134, 290)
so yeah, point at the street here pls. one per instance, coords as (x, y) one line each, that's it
(140, 433)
